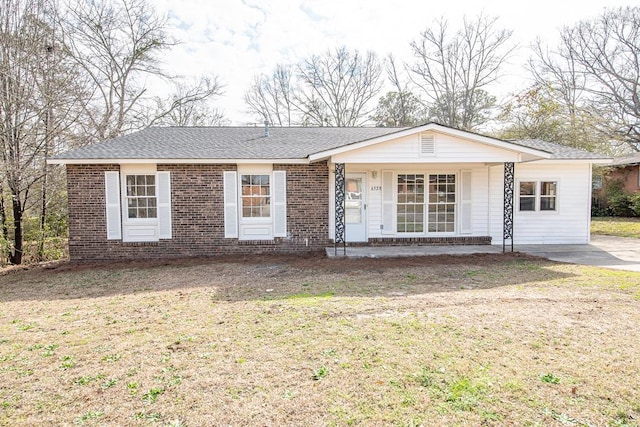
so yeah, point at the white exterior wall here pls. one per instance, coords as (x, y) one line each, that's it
(373, 194)
(569, 224)
(452, 154)
(447, 150)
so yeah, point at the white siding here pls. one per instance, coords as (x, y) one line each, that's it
(374, 194)
(480, 201)
(447, 150)
(568, 224)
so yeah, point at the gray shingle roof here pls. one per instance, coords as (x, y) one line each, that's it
(559, 151)
(224, 143)
(631, 159)
(193, 143)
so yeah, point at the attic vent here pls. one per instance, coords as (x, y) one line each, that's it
(427, 144)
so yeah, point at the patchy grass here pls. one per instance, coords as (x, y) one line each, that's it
(478, 340)
(613, 226)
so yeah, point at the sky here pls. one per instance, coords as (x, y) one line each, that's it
(238, 39)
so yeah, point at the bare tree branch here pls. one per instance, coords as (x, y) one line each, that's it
(336, 89)
(454, 71)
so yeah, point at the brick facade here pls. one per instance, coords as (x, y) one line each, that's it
(197, 211)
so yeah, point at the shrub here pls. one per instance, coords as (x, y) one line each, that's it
(619, 204)
(634, 203)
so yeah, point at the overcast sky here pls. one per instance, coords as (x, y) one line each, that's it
(237, 39)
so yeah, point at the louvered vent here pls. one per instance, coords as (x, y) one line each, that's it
(427, 144)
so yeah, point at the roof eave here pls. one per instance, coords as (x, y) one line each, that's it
(90, 161)
(321, 155)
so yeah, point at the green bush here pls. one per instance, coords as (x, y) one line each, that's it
(634, 203)
(620, 205)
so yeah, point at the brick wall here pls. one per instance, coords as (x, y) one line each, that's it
(197, 211)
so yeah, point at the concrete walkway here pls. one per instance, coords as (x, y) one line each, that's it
(604, 251)
(621, 253)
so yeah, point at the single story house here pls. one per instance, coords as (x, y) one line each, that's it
(200, 191)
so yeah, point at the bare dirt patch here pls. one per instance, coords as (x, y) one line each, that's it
(483, 339)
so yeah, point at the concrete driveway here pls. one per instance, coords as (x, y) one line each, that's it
(621, 253)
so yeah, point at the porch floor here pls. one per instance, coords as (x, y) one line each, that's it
(404, 251)
(622, 253)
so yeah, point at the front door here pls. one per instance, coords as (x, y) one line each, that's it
(355, 208)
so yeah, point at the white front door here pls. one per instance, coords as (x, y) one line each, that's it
(355, 208)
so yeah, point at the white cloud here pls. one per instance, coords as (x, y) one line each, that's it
(237, 39)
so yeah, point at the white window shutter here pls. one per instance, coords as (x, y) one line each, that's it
(465, 202)
(387, 202)
(230, 183)
(112, 201)
(280, 204)
(164, 204)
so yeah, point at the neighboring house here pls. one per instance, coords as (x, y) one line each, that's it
(178, 191)
(626, 169)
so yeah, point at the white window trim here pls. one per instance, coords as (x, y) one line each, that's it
(538, 195)
(137, 229)
(260, 228)
(395, 204)
(426, 232)
(256, 219)
(126, 170)
(125, 199)
(456, 204)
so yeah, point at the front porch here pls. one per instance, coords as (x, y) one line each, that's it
(409, 251)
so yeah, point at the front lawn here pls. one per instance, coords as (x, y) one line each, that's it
(615, 226)
(476, 340)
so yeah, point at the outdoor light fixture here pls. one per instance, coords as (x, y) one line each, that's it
(374, 174)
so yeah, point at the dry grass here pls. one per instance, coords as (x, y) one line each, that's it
(479, 340)
(614, 226)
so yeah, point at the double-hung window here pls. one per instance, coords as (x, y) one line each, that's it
(255, 203)
(410, 206)
(138, 203)
(141, 196)
(538, 196)
(442, 203)
(256, 196)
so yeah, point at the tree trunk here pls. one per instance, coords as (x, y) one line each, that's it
(15, 256)
(43, 217)
(6, 249)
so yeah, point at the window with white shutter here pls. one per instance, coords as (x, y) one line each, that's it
(280, 203)
(230, 204)
(112, 199)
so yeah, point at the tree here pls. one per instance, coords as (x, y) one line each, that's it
(596, 71)
(37, 94)
(271, 97)
(533, 115)
(117, 45)
(189, 105)
(336, 89)
(455, 70)
(399, 109)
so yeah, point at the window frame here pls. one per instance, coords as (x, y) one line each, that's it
(398, 204)
(126, 197)
(454, 204)
(538, 196)
(425, 203)
(242, 196)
